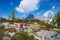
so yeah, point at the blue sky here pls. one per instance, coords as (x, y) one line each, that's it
(36, 7)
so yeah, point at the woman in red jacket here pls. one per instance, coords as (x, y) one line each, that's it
(21, 26)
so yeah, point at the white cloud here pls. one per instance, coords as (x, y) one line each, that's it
(27, 6)
(48, 15)
(53, 7)
(40, 12)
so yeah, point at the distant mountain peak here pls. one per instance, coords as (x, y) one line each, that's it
(29, 17)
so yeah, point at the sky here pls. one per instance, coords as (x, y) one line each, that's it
(41, 9)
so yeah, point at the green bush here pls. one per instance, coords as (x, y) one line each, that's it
(2, 27)
(22, 36)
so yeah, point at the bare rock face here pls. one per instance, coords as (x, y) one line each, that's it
(6, 38)
(44, 34)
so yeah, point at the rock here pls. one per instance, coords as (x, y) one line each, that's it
(9, 33)
(6, 38)
(46, 35)
(58, 36)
